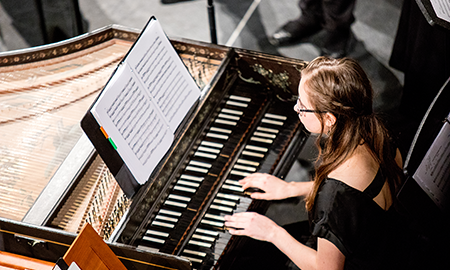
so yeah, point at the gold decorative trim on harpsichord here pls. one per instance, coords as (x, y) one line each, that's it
(89, 40)
(68, 46)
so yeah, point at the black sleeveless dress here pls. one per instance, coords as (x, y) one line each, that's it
(368, 236)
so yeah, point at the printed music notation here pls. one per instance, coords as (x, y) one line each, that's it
(442, 9)
(145, 100)
(433, 173)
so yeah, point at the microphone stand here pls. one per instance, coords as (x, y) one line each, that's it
(212, 22)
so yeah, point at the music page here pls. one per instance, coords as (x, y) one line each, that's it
(442, 9)
(433, 173)
(145, 100)
(163, 73)
(134, 123)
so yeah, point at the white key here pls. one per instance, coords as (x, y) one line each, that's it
(225, 122)
(163, 224)
(152, 239)
(275, 116)
(190, 177)
(212, 144)
(248, 162)
(272, 122)
(205, 155)
(211, 216)
(224, 202)
(177, 204)
(259, 139)
(209, 150)
(264, 135)
(222, 208)
(185, 189)
(168, 212)
(233, 182)
(246, 168)
(237, 104)
(180, 198)
(230, 111)
(234, 188)
(196, 169)
(174, 220)
(163, 234)
(236, 172)
(271, 130)
(222, 130)
(186, 183)
(245, 99)
(198, 243)
(212, 223)
(229, 117)
(204, 238)
(200, 164)
(208, 232)
(198, 253)
(252, 154)
(192, 259)
(228, 196)
(256, 148)
(217, 136)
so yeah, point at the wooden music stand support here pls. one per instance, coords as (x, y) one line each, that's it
(89, 251)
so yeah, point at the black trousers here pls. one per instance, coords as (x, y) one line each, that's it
(332, 14)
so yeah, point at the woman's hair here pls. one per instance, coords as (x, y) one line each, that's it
(341, 87)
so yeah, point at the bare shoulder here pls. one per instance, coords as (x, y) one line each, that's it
(357, 171)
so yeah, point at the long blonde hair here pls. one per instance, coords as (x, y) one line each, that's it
(341, 87)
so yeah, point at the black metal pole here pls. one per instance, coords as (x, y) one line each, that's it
(212, 22)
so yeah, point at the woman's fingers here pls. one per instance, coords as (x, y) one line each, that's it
(250, 224)
(255, 180)
(238, 220)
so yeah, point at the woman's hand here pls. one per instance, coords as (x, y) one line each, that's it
(274, 188)
(251, 224)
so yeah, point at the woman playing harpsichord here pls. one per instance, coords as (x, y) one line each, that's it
(350, 202)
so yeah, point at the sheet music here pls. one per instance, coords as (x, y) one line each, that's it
(146, 99)
(164, 75)
(134, 123)
(442, 9)
(433, 173)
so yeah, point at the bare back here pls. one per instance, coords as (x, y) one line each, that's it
(358, 171)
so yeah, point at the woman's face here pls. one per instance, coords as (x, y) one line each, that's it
(308, 119)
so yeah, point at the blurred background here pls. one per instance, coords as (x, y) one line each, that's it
(239, 23)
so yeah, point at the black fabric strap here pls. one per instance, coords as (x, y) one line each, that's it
(375, 187)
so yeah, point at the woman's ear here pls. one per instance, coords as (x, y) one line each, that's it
(330, 119)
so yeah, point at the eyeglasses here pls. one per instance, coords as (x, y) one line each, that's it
(299, 108)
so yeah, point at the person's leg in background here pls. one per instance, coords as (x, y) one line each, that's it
(333, 16)
(338, 17)
(308, 23)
